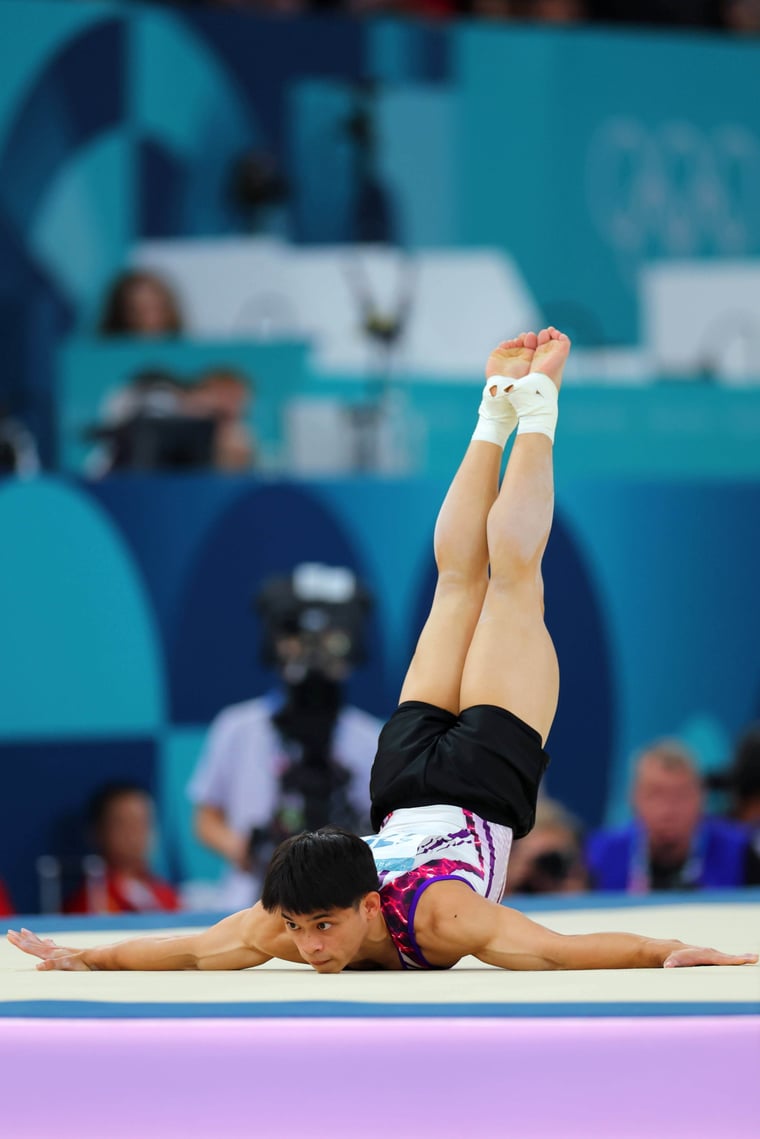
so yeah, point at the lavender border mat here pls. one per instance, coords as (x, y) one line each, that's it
(370, 1079)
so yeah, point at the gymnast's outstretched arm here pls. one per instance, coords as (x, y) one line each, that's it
(240, 941)
(452, 921)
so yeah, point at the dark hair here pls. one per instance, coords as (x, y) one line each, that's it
(318, 871)
(113, 320)
(97, 808)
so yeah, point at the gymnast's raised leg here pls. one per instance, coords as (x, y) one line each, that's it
(461, 547)
(511, 661)
(485, 641)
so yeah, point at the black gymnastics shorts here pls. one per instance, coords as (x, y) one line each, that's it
(484, 760)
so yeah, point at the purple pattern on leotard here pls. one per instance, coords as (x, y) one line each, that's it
(492, 858)
(399, 901)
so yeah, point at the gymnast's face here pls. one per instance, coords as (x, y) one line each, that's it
(332, 939)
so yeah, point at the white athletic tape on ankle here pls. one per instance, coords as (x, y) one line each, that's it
(534, 398)
(497, 417)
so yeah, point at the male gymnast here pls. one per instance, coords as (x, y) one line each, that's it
(458, 764)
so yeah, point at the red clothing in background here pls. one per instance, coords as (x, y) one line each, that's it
(120, 894)
(6, 909)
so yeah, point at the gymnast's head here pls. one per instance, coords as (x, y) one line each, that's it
(324, 884)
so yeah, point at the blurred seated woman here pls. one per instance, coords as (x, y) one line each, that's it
(140, 303)
(121, 815)
(224, 394)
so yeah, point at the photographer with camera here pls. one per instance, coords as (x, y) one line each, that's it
(549, 860)
(299, 756)
(18, 450)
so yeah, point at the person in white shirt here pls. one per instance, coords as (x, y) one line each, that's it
(298, 756)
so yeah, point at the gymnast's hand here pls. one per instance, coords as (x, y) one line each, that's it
(694, 955)
(52, 956)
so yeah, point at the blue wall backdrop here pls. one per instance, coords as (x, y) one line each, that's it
(126, 620)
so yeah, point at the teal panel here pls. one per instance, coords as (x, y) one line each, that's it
(583, 171)
(85, 225)
(178, 756)
(80, 655)
(180, 92)
(30, 35)
(323, 160)
(395, 50)
(675, 567)
(649, 432)
(417, 157)
(183, 97)
(396, 547)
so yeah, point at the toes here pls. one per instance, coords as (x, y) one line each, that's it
(544, 336)
(531, 340)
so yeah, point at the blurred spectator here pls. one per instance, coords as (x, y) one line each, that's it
(673, 13)
(549, 860)
(6, 909)
(557, 11)
(298, 757)
(140, 303)
(276, 7)
(540, 11)
(743, 781)
(223, 395)
(490, 9)
(153, 391)
(18, 451)
(742, 16)
(144, 426)
(157, 422)
(670, 845)
(121, 817)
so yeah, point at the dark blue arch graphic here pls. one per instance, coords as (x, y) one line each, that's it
(266, 56)
(582, 736)
(77, 97)
(161, 185)
(214, 655)
(34, 314)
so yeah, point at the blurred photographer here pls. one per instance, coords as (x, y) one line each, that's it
(742, 781)
(18, 452)
(549, 860)
(299, 757)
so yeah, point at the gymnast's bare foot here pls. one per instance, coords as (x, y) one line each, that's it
(551, 354)
(512, 358)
